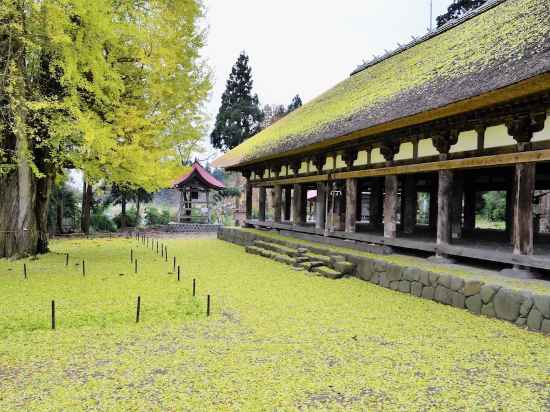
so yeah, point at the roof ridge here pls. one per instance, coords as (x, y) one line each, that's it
(431, 34)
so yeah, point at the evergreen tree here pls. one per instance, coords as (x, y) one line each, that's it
(457, 9)
(240, 115)
(294, 104)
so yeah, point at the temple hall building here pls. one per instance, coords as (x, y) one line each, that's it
(397, 154)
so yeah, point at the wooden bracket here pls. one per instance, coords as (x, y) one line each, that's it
(444, 140)
(389, 150)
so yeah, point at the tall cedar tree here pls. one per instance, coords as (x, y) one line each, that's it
(457, 9)
(295, 103)
(240, 115)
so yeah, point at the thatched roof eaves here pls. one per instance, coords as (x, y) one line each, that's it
(504, 45)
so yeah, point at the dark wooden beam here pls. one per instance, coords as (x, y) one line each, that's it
(444, 202)
(351, 205)
(262, 197)
(523, 208)
(409, 201)
(321, 206)
(277, 203)
(390, 207)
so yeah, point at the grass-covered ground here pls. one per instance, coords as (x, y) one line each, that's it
(277, 340)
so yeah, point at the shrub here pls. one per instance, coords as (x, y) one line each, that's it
(100, 222)
(155, 217)
(131, 218)
(494, 208)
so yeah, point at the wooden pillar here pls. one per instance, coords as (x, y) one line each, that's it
(288, 202)
(277, 203)
(456, 206)
(351, 205)
(262, 203)
(521, 128)
(444, 201)
(469, 209)
(297, 205)
(524, 189)
(409, 200)
(376, 203)
(320, 206)
(248, 201)
(390, 207)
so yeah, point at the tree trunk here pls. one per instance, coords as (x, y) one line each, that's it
(87, 196)
(123, 212)
(23, 212)
(59, 212)
(138, 206)
(23, 196)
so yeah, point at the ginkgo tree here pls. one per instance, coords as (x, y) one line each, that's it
(110, 87)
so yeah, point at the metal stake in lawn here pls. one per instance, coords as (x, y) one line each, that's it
(157, 247)
(138, 309)
(83, 268)
(135, 265)
(166, 253)
(174, 264)
(66, 259)
(161, 250)
(178, 273)
(131, 255)
(25, 270)
(53, 314)
(207, 305)
(194, 287)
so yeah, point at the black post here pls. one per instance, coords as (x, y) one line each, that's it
(178, 273)
(174, 264)
(53, 314)
(135, 265)
(208, 305)
(157, 247)
(166, 254)
(83, 268)
(194, 287)
(138, 309)
(161, 250)
(25, 270)
(131, 255)
(66, 259)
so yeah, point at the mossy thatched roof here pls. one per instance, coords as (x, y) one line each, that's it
(492, 50)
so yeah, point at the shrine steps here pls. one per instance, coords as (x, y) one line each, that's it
(332, 267)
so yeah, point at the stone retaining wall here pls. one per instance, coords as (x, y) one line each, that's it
(189, 228)
(522, 307)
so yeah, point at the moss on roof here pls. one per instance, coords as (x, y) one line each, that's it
(497, 48)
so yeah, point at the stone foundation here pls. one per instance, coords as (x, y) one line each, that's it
(522, 307)
(188, 228)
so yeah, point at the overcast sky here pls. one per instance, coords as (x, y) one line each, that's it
(306, 46)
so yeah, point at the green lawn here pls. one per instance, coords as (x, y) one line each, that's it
(277, 340)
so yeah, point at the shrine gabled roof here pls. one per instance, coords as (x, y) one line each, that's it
(497, 48)
(199, 173)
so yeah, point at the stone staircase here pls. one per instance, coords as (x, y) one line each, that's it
(332, 266)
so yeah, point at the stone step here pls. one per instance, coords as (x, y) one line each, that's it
(319, 258)
(287, 260)
(328, 272)
(282, 250)
(344, 267)
(278, 257)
